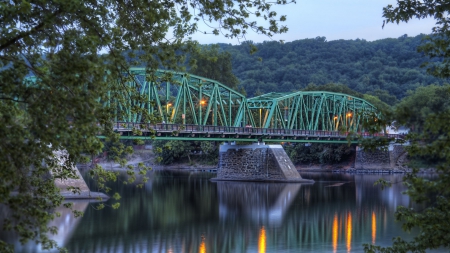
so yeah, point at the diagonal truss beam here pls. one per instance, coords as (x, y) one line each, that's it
(311, 110)
(181, 98)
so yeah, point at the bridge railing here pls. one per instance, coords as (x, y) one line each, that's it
(162, 127)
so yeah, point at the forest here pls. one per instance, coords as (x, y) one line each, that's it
(389, 66)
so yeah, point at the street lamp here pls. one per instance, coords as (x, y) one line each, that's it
(202, 102)
(167, 110)
(335, 122)
(260, 117)
(348, 116)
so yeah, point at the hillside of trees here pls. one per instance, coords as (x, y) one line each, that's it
(387, 66)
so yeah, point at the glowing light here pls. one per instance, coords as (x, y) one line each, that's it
(349, 232)
(202, 102)
(169, 104)
(349, 114)
(334, 233)
(374, 227)
(262, 240)
(202, 248)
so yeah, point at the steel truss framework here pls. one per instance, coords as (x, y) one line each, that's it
(185, 99)
(189, 99)
(182, 98)
(311, 110)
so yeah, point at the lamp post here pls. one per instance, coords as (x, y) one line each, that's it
(335, 118)
(167, 111)
(202, 102)
(260, 117)
(349, 116)
(285, 116)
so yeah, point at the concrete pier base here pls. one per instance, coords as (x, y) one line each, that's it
(85, 192)
(61, 161)
(395, 157)
(256, 162)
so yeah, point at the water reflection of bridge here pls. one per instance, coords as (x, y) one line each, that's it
(237, 217)
(259, 202)
(241, 217)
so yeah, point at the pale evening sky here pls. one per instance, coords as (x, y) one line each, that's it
(333, 19)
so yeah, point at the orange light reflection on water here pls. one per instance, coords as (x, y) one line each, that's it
(349, 232)
(334, 233)
(374, 227)
(202, 248)
(262, 240)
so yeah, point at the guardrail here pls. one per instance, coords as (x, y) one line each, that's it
(190, 128)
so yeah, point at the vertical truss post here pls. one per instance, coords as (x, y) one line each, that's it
(229, 109)
(216, 107)
(200, 104)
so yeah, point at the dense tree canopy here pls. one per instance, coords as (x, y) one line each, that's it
(414, 109)
(388, 66)
(437, 45)
(319, 153)
(213, 63)
(79, 51)
(332, 87)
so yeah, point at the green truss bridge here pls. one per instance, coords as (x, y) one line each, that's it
(197, 108)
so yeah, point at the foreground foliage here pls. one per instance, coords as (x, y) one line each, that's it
(62, 107)
(431, 211)
(429, 138)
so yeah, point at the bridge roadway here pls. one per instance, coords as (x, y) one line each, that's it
(191, 132)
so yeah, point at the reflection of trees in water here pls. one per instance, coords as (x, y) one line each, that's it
(66, 224)
(182, 213)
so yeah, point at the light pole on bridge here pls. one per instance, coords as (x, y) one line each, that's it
(202, 102)
(168, 105)
(348, 120)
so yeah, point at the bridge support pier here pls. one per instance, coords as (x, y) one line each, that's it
(76, 180)
(256, 162)
(392, 159)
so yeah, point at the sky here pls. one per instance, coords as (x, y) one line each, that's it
(333, 19)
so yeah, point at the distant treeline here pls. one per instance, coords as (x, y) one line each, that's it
(388, 66)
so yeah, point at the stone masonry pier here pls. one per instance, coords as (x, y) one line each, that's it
(395, 157)
(256, 162)
(76, 180)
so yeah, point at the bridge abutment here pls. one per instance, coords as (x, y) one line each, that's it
(393, 158)
(256, 162)
(75, 180)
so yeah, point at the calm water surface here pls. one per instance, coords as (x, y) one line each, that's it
(185, 212)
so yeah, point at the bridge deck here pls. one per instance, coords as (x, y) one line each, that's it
(225, 133)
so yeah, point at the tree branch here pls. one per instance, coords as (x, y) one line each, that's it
(29, 32)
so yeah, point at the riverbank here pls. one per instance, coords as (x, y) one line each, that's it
(147, 157)
(335, 168)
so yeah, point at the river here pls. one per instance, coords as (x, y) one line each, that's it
(185, 212)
